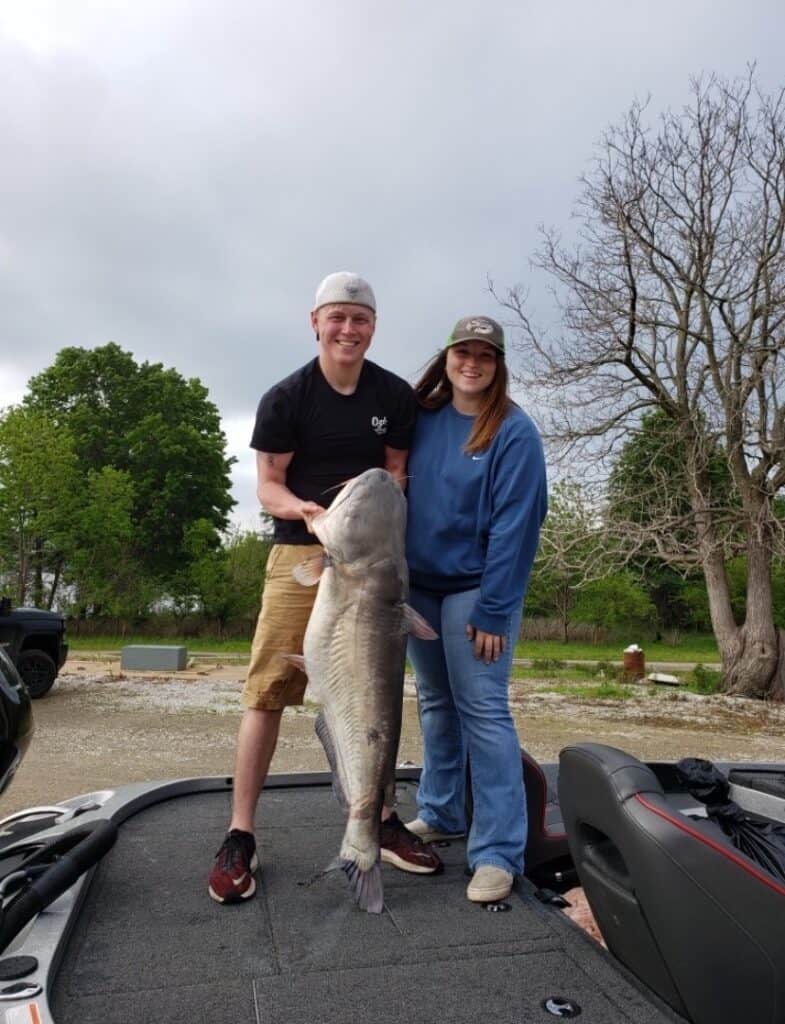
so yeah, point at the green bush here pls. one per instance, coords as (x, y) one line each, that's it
(611, 691)
(704, 680)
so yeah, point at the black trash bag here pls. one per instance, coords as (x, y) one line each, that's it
(761, 841)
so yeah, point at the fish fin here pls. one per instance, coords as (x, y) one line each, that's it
(366, 885)
(326, 740)
(309, 572)
(295, 659)
(415, 624)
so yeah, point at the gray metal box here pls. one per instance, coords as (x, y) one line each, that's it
(149, 657)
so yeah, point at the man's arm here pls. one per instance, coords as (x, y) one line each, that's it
(395, 460)
(274, 496)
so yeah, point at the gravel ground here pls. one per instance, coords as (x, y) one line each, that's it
(100, 727)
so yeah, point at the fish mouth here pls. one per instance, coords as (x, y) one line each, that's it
(347, 490)
(321, 516)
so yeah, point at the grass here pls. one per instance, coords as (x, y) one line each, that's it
(692, 649)
(549, 654)
(545, 669)
(195, 645)
(603, 681)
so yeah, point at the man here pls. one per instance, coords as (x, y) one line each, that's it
(332, 419)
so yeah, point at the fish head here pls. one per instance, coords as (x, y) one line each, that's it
(366, 521)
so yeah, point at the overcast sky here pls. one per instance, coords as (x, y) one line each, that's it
(178, 176)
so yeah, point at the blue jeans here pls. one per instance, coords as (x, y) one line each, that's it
(464, 711)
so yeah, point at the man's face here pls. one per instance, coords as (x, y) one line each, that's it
(345, 331)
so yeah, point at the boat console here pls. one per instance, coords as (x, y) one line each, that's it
(699, 922)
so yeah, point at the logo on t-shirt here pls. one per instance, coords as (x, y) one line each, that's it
(379, 424)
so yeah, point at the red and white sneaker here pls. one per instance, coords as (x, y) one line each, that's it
(231, 879)
(405, 850)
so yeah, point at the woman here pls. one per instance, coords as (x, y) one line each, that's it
(477, 496)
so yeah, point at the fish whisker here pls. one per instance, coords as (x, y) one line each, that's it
(337, 487)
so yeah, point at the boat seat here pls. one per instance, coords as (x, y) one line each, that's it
(547, 856)
(696, 920)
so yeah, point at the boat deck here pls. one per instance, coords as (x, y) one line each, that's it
(149, 945)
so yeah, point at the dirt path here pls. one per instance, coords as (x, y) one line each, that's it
(99, 728)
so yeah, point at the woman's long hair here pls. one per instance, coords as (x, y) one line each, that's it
(433, 391)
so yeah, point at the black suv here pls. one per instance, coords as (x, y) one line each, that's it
(35, 642)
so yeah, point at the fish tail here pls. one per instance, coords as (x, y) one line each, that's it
(366, 885)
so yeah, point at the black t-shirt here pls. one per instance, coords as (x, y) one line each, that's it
(333, 436)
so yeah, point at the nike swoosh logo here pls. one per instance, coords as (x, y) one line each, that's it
(239, 881)
(477, 458)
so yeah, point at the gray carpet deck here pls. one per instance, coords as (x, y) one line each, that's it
(151, 946)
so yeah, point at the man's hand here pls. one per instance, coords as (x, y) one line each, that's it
(487, 646)
(309, 509)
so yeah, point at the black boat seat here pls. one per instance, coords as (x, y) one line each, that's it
(696, 920)
(547, 849)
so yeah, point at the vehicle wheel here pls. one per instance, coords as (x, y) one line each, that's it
(38, 672)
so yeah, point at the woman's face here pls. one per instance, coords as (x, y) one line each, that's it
(471, 368)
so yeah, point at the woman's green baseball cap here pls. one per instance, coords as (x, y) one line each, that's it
(478, 328)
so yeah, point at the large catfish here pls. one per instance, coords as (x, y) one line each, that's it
(354, 654)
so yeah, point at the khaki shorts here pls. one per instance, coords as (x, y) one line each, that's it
(272, 683)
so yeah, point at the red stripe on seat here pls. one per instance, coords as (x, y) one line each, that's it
(737, 859)
(530, 763)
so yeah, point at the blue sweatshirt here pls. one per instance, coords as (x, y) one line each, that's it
(474, 520)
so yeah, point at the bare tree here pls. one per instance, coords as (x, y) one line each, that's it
(673, 299)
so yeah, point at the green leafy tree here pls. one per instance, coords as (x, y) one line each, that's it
(246, 560)
(39, 490)
(102, 569)
(649, 510)
(222, 581)
(156, 427)
(615, 602)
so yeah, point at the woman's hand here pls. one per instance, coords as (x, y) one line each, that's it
(487, 646)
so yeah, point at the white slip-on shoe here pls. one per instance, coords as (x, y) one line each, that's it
(489, 884)
(428, 834)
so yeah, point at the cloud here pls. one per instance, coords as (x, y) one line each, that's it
(181, 175)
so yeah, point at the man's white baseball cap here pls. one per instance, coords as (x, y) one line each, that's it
(344, 286)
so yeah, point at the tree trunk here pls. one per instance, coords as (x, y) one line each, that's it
(55, 584)
(751, 654)
(21, 592)
(757, 666)
(38, 573)
(565, 603)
